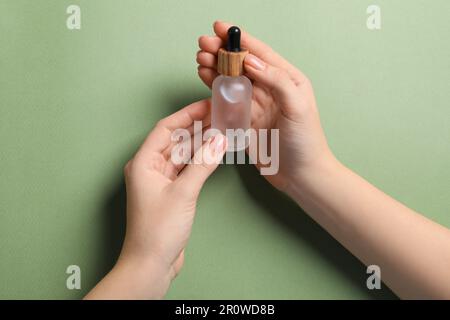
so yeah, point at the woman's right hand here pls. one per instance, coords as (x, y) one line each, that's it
(283, 99)
(412, 251)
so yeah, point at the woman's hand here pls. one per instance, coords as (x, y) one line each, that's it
(283, 99)
(161, 201)
(412, 251)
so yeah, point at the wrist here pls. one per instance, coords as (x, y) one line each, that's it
(308, 176)
(147, 277)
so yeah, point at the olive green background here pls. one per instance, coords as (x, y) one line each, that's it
(75, 106)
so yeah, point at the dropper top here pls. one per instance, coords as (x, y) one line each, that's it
(231, 58)
(234, 39)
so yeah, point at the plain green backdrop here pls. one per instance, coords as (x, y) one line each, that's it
(75, 106)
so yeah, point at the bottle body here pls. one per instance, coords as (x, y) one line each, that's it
(231, 109)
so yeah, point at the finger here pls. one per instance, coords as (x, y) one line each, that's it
(206, 59)
(207, 75)
(180, 153)
(204, 162)
(277, 80)
(160, 137)
(187, 134)
(260, 49)
(210, 44)
(185, 117)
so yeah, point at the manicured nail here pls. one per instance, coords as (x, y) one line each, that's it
(255, 62)
(218, 145)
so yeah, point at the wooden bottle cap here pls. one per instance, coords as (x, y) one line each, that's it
(231, 63)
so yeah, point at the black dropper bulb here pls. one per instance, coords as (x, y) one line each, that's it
(234, 39)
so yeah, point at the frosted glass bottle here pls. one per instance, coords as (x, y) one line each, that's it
(231, 107)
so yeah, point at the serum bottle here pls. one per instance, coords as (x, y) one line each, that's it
(232, 94)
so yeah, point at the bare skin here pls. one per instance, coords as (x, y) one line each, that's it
(161, 201)
(412, 251)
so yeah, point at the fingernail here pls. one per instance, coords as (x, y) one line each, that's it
(211, 140)
(218, 145)
(255, 62)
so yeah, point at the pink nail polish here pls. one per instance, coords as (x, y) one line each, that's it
(213, 142)
(219, 144)
(255, 62)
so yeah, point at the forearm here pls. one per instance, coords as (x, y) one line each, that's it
(135, 280)
(412, 251)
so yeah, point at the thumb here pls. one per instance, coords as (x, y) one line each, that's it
(277, 80)
(206, 159)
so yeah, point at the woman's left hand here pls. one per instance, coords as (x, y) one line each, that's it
(161, 202)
